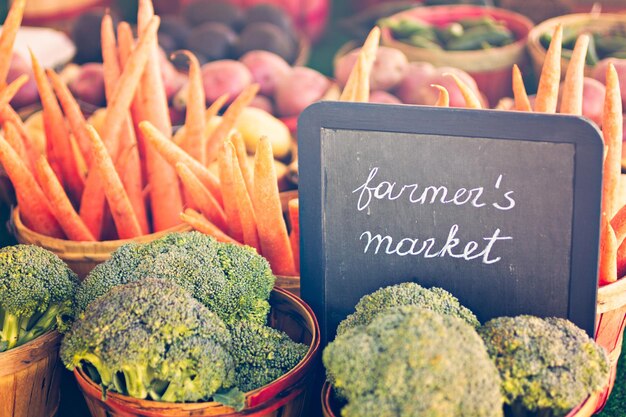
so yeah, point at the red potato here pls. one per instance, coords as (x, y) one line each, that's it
(225, 76)
(88, 86)
(599, 73)
(417, 77)
(28, 94)
(390, 68)
(593, 99)
(267, 69)
(428, 95)
(301, 88)
(263, 103)
(384, 98)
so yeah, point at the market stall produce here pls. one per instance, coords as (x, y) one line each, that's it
(190, 120)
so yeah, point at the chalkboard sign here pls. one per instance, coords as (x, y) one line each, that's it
(500, 208)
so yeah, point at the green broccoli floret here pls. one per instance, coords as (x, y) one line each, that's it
(410, 361)
(548, 366)
(408, 293)
(37, 292)
(151, 339)
(231, 280)
(262, 354)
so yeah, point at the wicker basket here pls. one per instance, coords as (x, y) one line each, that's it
(593, 22)
(81, 257)
(285, 397)
(491, 68)
(331, 405)
(611, 317)
(29, 378)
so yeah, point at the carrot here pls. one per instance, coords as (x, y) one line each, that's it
(612, 132)
(471, 100)
(242, 156)
(572, 100)
(10, 27)
(202, 198)
(522, 103)
(213, 111)
(608, 254)
(7, 93)
(7, 113)
(357, 86)
(172, 154)
(229, 119)
(444, 97)
(621, 260)
(73, 113)
(125, 219)
(231, 210)
(126, 44)
(126, 86)
(244, 206)
(57, 134)
(60, 204)
(273, 235)
(194, 120)
(165, 196)
(12, 134)
(202, 225)
(92, 205)
(127, 163)
(618, 223)
(78, 157)
(293, 207)
(34, 206)
(110, 60)
(15, 140)
(548, 90)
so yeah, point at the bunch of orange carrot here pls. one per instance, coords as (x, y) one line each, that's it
(612, 263)
(132, 178)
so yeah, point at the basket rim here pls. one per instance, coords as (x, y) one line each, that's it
(15, 357)
(54, 242)
(585, 409)
(86, 384)
(611, 296)
(390, 40)
(536, 31)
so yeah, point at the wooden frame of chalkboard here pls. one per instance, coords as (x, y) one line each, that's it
(391, 133)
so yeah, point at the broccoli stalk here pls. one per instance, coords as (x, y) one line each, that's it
(47, 320)
(10, 332)
(138, 380)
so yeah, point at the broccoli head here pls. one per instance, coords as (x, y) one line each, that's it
(37, 292)
(151, 339)
(408, 293)
(231, 280)
(548, 366)
(410, 361)
(262, 354)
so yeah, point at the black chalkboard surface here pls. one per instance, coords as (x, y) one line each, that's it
(500, 208)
